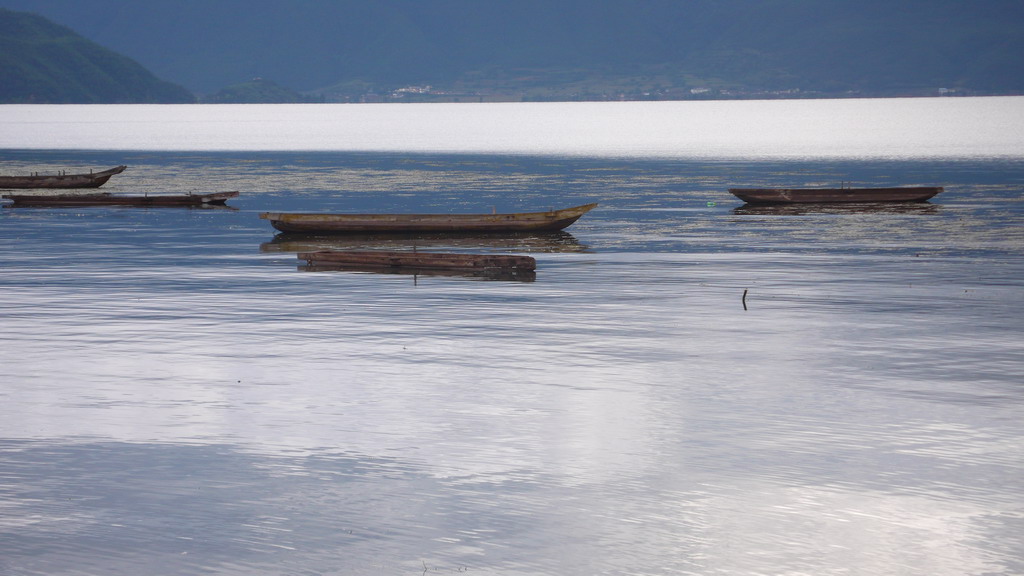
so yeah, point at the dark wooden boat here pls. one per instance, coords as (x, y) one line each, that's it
(529, 242)
(486, 266)
(837, 208)
(90, 180)
(551, 220)
(416, 259)
(830, 195)
(507, 274)
(107, 199)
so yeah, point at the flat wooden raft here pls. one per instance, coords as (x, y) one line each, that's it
(418, 260)
(107, 199)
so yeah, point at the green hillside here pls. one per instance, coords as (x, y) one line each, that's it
(42, 62)
(258, 91)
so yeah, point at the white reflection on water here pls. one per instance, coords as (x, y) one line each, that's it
(178, 398)
(855, 128)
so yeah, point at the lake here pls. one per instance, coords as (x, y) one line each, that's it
(688, 386)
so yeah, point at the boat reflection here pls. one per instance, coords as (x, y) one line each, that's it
(837, 208)
(514, 275)
(529, 242)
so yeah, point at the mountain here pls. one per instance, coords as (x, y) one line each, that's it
(565, 49)
(258, 91)
(41, 62)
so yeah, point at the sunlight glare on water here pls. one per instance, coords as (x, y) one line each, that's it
(855, 128)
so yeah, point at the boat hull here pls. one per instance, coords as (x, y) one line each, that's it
(833, 195)
(415, 259)
(91, 180)
(550, 221)
(488, 266)
(212, 199)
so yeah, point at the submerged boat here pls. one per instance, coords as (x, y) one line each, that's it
(550, 221)
(416, 259)
(490, 266)
(829, 195)
(107, 199)
(90, 180)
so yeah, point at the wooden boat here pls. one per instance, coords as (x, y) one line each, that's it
(107, 199)
(551, 220)
(545, 242)
(837, 208)
(507, 274)
(491, 266)
(829, 195)
(416, 259)
(90, 180)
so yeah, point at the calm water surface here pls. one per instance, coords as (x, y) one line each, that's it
(178, 397)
